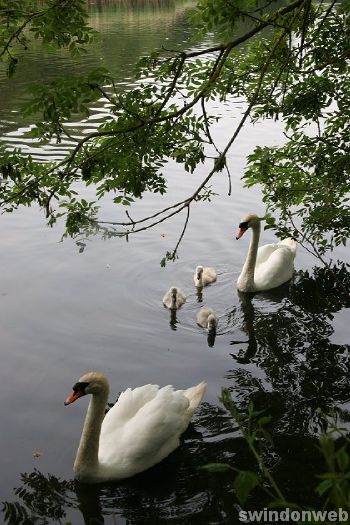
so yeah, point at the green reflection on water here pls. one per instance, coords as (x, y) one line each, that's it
(128, 30)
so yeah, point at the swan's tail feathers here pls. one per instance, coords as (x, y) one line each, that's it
(292, 244)
(195, 395)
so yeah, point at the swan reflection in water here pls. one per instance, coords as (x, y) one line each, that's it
(199, 294)
(173, 320)
(290, 345)
(272, 298)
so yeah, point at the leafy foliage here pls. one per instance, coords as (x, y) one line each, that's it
(333, 489)
(306, 180)
(58, 23)
(293, 67)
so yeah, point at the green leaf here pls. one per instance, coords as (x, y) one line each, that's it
(324, 486)
(217, 467)
(244, 483)
(342, 458)
(264, 420)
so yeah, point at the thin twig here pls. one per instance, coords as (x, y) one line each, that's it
(182, 234)
(314, 250)
(173, 83)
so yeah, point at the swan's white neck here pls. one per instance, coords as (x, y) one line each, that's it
(86, 461)
(246, 281)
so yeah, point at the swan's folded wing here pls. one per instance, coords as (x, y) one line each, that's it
(276, 269)
(264, 252)
(211, 272)
(292, 245)
(149, 435)
(129, 403)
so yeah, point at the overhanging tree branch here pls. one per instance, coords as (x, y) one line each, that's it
(277, 76)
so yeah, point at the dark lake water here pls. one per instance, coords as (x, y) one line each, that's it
(63, 313)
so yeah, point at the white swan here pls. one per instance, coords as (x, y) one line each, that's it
(207, 318)
(140, 430)
(174, 298)
(204, 276)
(267, 267)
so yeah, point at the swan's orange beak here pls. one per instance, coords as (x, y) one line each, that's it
(240, 232)
(73, 397)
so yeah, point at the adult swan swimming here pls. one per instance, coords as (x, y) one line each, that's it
(140, 430)
(267, 267)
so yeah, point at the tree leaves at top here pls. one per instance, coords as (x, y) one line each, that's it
(289, 62)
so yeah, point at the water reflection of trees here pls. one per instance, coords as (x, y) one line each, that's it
(41, 499)
(132, 3)
(288, 366)
(176, 489)
(289, 339)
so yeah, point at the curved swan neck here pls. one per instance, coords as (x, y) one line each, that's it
(249, 266)
(86, 460)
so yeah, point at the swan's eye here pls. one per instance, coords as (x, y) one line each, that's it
(243, 226)
(80, 387)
